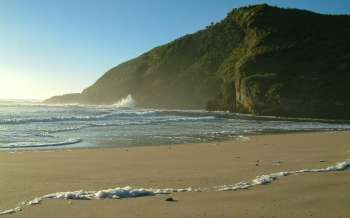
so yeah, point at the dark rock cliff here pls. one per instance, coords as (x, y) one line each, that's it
(260, 59)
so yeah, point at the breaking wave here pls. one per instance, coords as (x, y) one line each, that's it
(75, 118)
(52, 119)
(41, 144)
(127, 126)
(127, 102)
(141, 122)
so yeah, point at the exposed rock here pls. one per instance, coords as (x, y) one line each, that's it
(260, 59)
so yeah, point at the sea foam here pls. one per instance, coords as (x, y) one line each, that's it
(41, 144)
(129, 192)
(114, 193)
(269, 178)
(121, 123)
(104, 116)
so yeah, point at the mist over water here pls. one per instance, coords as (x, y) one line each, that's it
(33, 125)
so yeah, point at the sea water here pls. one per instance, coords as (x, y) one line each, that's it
(33, 125)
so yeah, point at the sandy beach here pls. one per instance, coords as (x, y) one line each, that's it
(28, 174)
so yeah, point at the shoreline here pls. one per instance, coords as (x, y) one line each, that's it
(239, 137)
(185, 165)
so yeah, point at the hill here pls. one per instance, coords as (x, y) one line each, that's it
(260, 59)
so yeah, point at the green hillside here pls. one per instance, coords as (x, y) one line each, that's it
(260, 59)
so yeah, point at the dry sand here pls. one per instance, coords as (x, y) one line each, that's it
(25, 175)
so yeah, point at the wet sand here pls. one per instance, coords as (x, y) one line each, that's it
(25, 175)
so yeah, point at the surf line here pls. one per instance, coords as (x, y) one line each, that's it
(129, 192)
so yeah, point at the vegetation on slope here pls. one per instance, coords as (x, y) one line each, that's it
(259, 59)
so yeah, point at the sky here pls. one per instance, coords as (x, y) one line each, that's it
(53, 47)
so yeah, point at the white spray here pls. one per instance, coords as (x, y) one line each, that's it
(128, 101)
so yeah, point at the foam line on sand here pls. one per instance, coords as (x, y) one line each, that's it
(269, 178)
(129, 192)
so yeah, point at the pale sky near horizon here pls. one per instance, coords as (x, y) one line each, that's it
(51, 47)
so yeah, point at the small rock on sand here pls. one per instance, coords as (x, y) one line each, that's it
(170, 199)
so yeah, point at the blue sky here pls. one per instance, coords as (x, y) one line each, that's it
(50, 47)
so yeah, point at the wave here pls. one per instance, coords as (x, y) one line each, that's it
(190, 118)
(127, 102)
(41, 144)
(66, 129)
(75, 118)
(170, 115)
(52, 119)
(141, 122)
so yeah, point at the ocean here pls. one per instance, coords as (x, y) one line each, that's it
(33, 125)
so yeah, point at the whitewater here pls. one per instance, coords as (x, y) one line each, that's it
(34, 125)
(130, 192)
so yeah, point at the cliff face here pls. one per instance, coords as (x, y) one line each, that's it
(260, 59)
(294, 63)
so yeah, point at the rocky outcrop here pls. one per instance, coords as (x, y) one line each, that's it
(260, 59)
